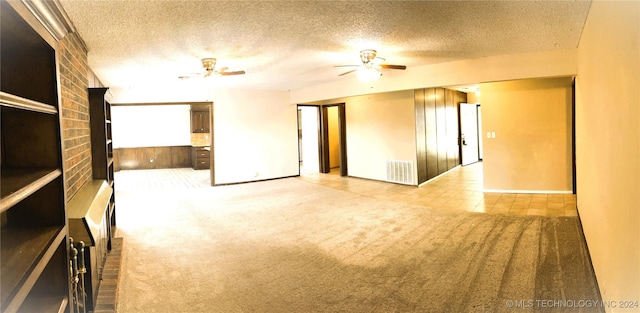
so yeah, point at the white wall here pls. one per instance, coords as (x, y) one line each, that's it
(150, 126)
(608, 146)
(255, 135)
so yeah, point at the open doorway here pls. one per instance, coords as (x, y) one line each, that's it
(333, 144)
(333, 133)
(322, 139)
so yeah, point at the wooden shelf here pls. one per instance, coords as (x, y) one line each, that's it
(46, 304)
(13, 101)
(25, 252)
(34, 251)
(18, 184)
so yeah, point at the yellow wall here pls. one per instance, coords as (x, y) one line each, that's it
(472, 97)
(531, 150)
(334, 137)
(608, 146)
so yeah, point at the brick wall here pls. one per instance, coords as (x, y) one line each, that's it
(76, 132)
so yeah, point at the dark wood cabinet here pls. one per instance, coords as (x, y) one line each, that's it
(437, 131)
(152, 157)
(102, 147)
(200, 158)
(200, 120)
(34, 240)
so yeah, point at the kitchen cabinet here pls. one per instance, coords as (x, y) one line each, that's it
(200, 158)
(200, 120)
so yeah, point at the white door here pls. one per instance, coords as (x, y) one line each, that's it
(309, 155)
(469, 133)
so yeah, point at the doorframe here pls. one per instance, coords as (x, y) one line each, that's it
(480, 135)
(573, 137)
(325, 166)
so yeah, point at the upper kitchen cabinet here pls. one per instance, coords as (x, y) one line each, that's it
(200, 120)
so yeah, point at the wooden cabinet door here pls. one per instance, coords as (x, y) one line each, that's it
(199, 121)
(205, 121)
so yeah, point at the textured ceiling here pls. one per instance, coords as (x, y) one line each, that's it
(287, 45)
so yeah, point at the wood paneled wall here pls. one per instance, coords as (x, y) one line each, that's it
(437, 130)
(163, 157)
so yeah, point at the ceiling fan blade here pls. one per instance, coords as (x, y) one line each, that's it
(345, 73)
(225, 73)
(393, 67)
(191, 75)
(351, 65)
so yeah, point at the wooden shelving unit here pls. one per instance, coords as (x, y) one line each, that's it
(33, 223)
(102, 147)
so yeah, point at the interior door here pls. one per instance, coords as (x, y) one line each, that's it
(469, 133)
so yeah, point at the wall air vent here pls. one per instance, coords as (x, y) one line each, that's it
(400, 171)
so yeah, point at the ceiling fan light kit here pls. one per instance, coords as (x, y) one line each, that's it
(209, 65)
(368, 55)
(370, 69)
(368, 74)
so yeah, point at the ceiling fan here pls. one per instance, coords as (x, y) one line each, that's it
(209, 65)
(371, 65)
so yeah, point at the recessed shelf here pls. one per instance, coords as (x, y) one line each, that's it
(25, 252)
(46, 304)
(18, 184)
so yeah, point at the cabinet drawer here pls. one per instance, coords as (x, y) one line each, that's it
(200, 158)
(202, 164)
(202, 153)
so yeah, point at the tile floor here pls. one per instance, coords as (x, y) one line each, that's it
(460, 189)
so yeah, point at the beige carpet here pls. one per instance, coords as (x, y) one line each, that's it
(292, 246)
